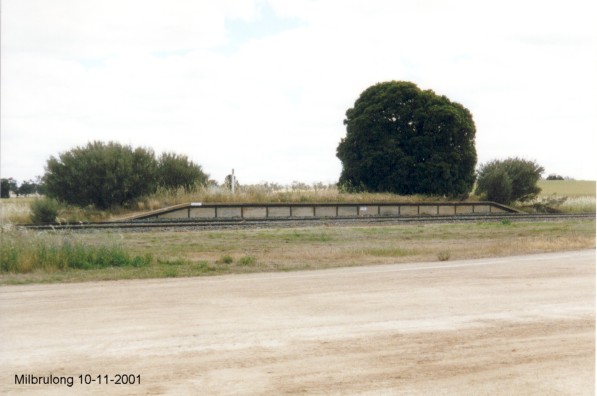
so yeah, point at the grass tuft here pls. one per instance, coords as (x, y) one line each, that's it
(443, 255)
(225, 259)
(246, 260)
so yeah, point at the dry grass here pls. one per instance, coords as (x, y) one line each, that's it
(15, 210)
(203, 252)
(578, 196)
(265, 194)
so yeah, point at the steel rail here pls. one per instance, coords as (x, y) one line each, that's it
(303, 221)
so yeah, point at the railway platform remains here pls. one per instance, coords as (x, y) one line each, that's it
(213, 211)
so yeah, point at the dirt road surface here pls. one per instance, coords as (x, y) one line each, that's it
(517, 325)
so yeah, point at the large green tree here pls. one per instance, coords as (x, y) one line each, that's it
(404, 140)
(100, 174)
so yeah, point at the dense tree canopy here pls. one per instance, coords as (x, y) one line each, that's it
(509, 180)
(404, 140)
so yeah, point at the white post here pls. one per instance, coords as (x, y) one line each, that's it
(232, 181)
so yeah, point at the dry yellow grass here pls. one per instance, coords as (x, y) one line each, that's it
(567, 188)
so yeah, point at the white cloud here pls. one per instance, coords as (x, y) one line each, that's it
(262, 86)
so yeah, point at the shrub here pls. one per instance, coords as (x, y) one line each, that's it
(509, 180)
(44, 211)
(106, 175)
(177, 171)
(100, 174)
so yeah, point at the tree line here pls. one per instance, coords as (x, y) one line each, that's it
(399, 139)
(27, 187)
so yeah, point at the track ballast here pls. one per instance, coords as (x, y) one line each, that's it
(196, 224)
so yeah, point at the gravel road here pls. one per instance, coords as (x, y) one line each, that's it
(515, 325)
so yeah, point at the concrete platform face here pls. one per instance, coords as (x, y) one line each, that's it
(279, 211)
(446, 210)
(325, 211)
(252, 213)
(177, 214)
(347, 210)
(203, 213)
(495, 209)
(426, 210)
(482, 209)
(464, 209)
(389, 210)
(302, 211)
(229, 212)
(368, 210)
(409, 210)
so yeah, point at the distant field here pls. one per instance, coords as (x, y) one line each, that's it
(568, 188)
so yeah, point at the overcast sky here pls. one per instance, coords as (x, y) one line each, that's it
(262, 86)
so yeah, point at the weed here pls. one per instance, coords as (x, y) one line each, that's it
(388, 252)
(307, 236)
(226, 259)
(443, 255)
(177, 261)
(203, 266)
(246, 260)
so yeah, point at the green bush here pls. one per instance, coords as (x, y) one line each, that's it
(44, 211)
(177, 171)
(509, 180)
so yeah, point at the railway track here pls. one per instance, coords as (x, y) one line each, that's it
(182, 224)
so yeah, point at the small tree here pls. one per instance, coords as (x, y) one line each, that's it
(8, 185)
(175, 171)
(4, 188)
(509, 180)
(27, 187)
(228, 183)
